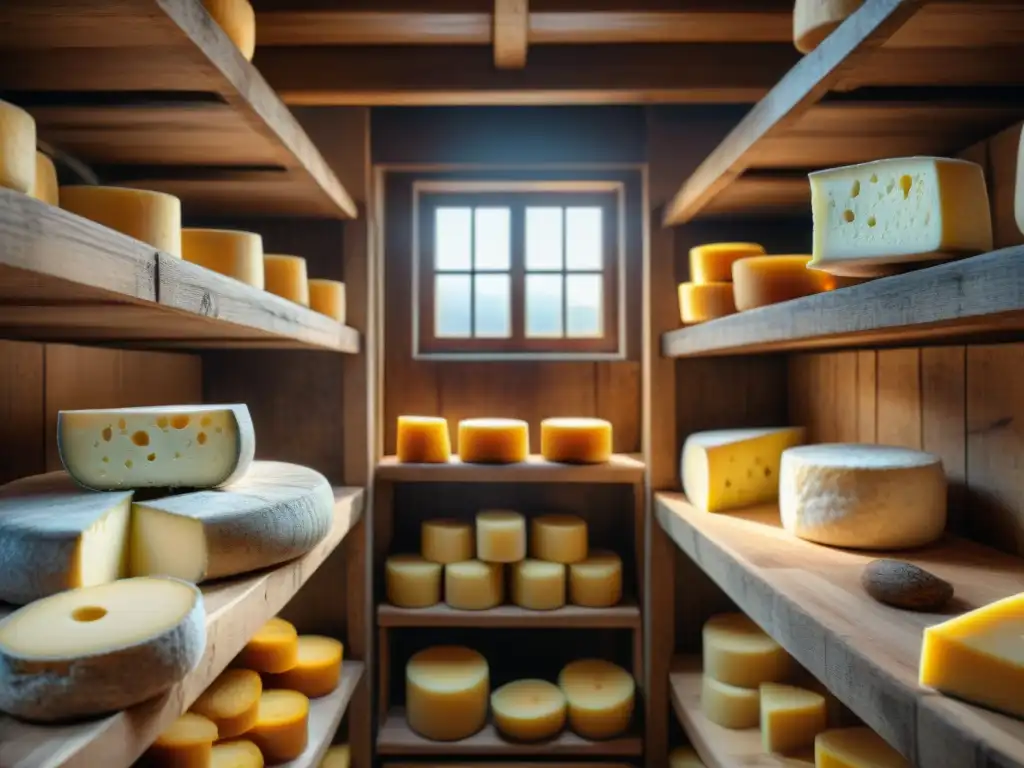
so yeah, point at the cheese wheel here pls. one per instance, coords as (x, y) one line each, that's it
(863, 496)
(412, 582)
(684, 757)
(738, 652)
(558, 538)
(474, 585)
(186, 743)
(17, 148)
(791, 717)
(855, 748)
(423, 440)
(763, 280)
(600, 697)
(493, 441)
(500, 536)
(231, 702)
(699, 303)
(274, 647)
(286, 277)
(528, 710)
(45, 187)
(151, 217)
(238, 255)
(328, 298)
(240, 753)
(712, 263)
(446, 541)
(814, 20)
(336, 757)
(538, 585)
(238, 20)
(597, 581)
(446, 692)
(576, 441)
(317, 670)
(729, 705)
(282, 725)
(99, 649)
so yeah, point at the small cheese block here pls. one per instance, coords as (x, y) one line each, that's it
(231, 702)
(152, 217)
(814, 20)
(237, 19)
(738, 652)
(186, 743)
(17, 148)
(877, 218)
(712, 263)
(336, 757)
(597, 581)
(500, 536)
(701, 302)
(732, 468)
(763, 280)
(239, 753)
(791, 717)
(474, 585)
(862, 496)
(1018, 191)
(286, 277)
(274, 647)
(99, 649)
(855, 748)
(493, 441)
(317, 670)
(282, 725)
(238, 255)
(684, 757)
(423, 440)
(538, 585)
(446, 541)
(328, 298)
(412, 581)
(728, 705)
(576, 440)
(446, 692)
(600, 697)
(45, 187)
(558, 538)
(529, 710)
(193, 446)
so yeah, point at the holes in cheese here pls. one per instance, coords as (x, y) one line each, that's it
(231, 702)
(152, 217)
(708, 301)
(863, 496)
(336, 757)
(446, 541)
(493, 441)
(558, 538)
(274, 647)
(500, 536)
(446, 692)
(597, 581)
(855, 748)
(45, 186)
(187, 742)
(286, 277)
(282, 726)
(599, 696)
(712, 263)
(17, 148)
(764, 280)
(236, 254)
(474, 585)
(423, 440)
(684, 757)
(814, 20)
(236, 754)
(576, 440)
(238, 20)
(738, 652)
(791, 717)
(328, 298)
(529, 710)
(99, 649)
(732, 468)
(316, 670)
(728, 705)
(538, 585)
(412, 581)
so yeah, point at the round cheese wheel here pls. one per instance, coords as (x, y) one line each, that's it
(238, 20)
(857, 747)
(336, 757)
(45, 187)
(446, 692)
(493, 441)
(423, 440)
(240, 753)
(763, 280)
(152, 217)
(729, 705)
(814, 20)
(597, 581)
(500, 536)
(600, 696)
(712, 263)
(317, 670)
(538, 585)
(738, 652)
(238, 255)
(708, 301)
(528, 710)
(286, 277)
(274, 647)
(558, 538)
(328, 298)
(576, 441)
(446, 541)
(474, 585)
(231, 702)
(17, 148)
(186, 743)
(412, 582)
(282, 725)
(684, 757)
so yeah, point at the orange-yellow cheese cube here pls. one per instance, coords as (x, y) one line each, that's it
(446, 541)
(712, 263)
(600, 696)
(231, 702)
(45, 187)
(493, 441)
(446, 692)
(423, 440)
(17, 148)
(274, 647)
(763, 280)
(186, 743)
(699, 303)
(576, 440)
(597, 581)
(474, 585)
(328, 298)
(286, 277)
(317, 670)
(238, 255)
(529, 710)
(500, 536)
(412, 581)
(558, 538)
(151, 217)
(282, 726)
(538, 585)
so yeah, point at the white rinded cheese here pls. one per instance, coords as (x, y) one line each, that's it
(814, 20)
(100, 649)
(1018, 205)
(862, 496)
(17, 148)
(173, 446)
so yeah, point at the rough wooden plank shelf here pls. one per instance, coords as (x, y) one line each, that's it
(621, 469)
(235, 609)
(531, 764)
(325, 715)
(808, 597)
(623, 616)
(978, 297)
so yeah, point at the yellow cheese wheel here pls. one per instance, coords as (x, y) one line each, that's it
(576, 440)
(446, 692)
(558, 538)
(763, 280)
(336, 757)
(274, 647)
(738, 652)
(235, 254)
(791, 717)
(239, 753)
(684, 757)
(17, 148)
(237, 19)
(446, 541)
(528, 710)
(317, 670)
(538, 585)
(597, 581)
(412, 582)
(286, 277)
(152, 217)
(493, 441)
(186, 743)
(500, 536)
(423, 440)
(728, 705)
(231, 702)
(474, 585)
(328, 298)
(814, 20)
(600, 697)
(712, 263)
(699, 303)
(45, 187)
(282, 726)
(855, 748)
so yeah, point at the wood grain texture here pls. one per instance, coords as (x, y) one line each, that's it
(22, 409)
(625, 615)
(619, 469)
(511, 28)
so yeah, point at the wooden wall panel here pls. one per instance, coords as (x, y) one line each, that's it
(998, 156)
(22, 410)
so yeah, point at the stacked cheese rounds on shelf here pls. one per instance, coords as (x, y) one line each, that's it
(709, 294)
(24, 168)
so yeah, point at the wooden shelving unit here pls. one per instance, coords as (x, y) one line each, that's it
(325, 716)
(626, 615)
(621, 469)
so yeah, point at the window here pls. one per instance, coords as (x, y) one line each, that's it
(518, 271)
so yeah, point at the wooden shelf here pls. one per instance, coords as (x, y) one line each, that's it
(979, 298)
(325, 715)
(621, 469)
(623, 616)
(152, 93)
(395, 737)
(63, 278)
(531, 764)
(809, 598)
(235, 609)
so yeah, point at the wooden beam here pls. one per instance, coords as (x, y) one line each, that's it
(511, 27)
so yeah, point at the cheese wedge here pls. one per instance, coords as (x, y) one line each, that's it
(328, 298)
(791, 717)
(447, 541)
(576, 440)
(600, 697)
(186, 743)
(712, 263)
(239, 753)
(597, 581)
(238, 255)
(238, 20)
(728, 705)
(446, 692)
(231, 702)
(700, 302)
(17, 148)
(855, 748)
(153, 218)
(282, 726)
(500, 536)
(336, 757)
(274, 647)
(474, 585)
(493, 441)
(558, 538)
(45, 187)
(286, 277)
(529, 710)
(814, 20)
(538, 585)
(739, 653)
(412, 582)
(763, 280)
(423, 440)
(317, 669)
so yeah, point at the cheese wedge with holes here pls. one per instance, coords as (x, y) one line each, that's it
(600, 697)
(238, 255)
(412, 582)
(153, 218)
(699, 303)
(100, 649)
(791, 717)
(274, 647)
(597, 581)
(17, 148)
(814, 20)
(729, 705)
(558, 538)
(529, 710)
(328, 298)
(855, 748)
(286, 277)
(423, 440)
(538, 585)
(712, 263)
(447, 688)
(231, 702)
(500, 536)
(763, 280)
(186, 743)
(337, 757)
(446, 541)
(684, 757)
(45, 187)
(740, 653)
(239, 753)
(317, 668)
(282, 726)
(493, 441)
(474, 585)
(1018, 191)
(576, 440)
(238, 20)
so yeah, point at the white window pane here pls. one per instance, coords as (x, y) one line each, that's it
(452, 244)
(543, 305)
(492, 236)
(493, 304)
(543, 238)
(583, 238)
(451, 306)
(583, 304)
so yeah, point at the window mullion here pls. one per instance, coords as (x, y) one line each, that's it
(517, 272)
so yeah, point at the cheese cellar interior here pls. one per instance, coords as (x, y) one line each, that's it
(506, 383)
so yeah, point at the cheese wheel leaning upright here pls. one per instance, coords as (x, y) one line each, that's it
(529, 710)
(597, 581)
(327, 297)
(576, 440)
(282, 725)
(446, 692)
(286, 277)
(186, 743)
(500, 536)
(446, 541)
(317, 668)
(151, 217)
(738, 652)
(238, 255)
(17, 148)
(474, 585)
(423, 440)
(231, 702)
(600, 697)
(412, 581)
(493, 441)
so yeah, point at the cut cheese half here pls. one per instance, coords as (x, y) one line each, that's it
(45, 187)
(700, 302)
(238, 255)
(600, 697)
(712, 263)
(286, 277)
(493, 441)
(238, 20)
(240, 753)
(317, 668)
(855, 748)
(186, 743)
(576, 440)
(328, 298)
(282, 726)
(814, 20)
(446, 692)
(151, 217)
(728, 705)
(423, 440)
(17, 148)
(274, 647)
(528, 710)
(231, 702)
(412, 582)
(739, 653)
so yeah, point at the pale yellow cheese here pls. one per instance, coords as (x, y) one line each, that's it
(239, 753)
(45, 187)
(423, 440)
(728, 705)
(282, 725)
(597, 581)
(446, 541)
(474, 585)
(738, 652)
(814, 20)
(529, 710)
(576, 440)
(185, 743)
(152, 217)
(412, 581)
(236, 254)
(328, 298)
(791, 717)
(17, 148)
(538, 585)
(600, 696)
(286, 277)
(447, 689)
(712, 263)
(231, 702)
(684, 757)
(558, 538)
(493, 441)
(238, 20)
(317, 669)
(336, 757)
(701, 302)
(1018, 191)
(274, 647)
(855, 748)
(500, 536)
(763, 280)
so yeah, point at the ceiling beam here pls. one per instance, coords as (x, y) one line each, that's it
(511, 29)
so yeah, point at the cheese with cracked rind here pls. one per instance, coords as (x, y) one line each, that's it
(286, 277)
(327, 297)
(791, 717)
(699, 303)
(740, 653)
(529, 710)
(597, 581)
(729, 705)
(538, 585)
(493, 441)
(185, 743)
(855, 748)
(412, 581)
(17, 148)
(153, 218)
(238, 255)
(814, 20)
(317, 668)
(712, 262)
(558, 538)
(447, 688)
(45, 187)
(231, 702)
(600, 697)
(446, 541)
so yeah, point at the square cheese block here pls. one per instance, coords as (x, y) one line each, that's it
(791, 717)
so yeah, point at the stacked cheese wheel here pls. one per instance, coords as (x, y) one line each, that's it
(23, 168)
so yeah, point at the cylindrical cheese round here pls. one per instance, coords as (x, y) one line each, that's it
(814, 20)
(576, 440)
(328, 298)
(763, 280)
(493, 441)
(528, 710)
(412, 582)
(474, 585)
(684, 757)
(17, 148)
(236, 254)
(862, 496)
(712, 263)
(45, 187)
(282, 726)
(728, 705)
(317, 671)
(239, 753)
(238, 20)
(446, 541)
(500, 536)
(538, 585)
(738, 652)
(231, 702)
(857, 747)
(423, 440)
(186, 743)
(558, 538)
(597, 581)
(710, 301)
(152, 217)
(285, 276)
(336, 757)
(600, 697)
(446, 692)
(274, 647)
